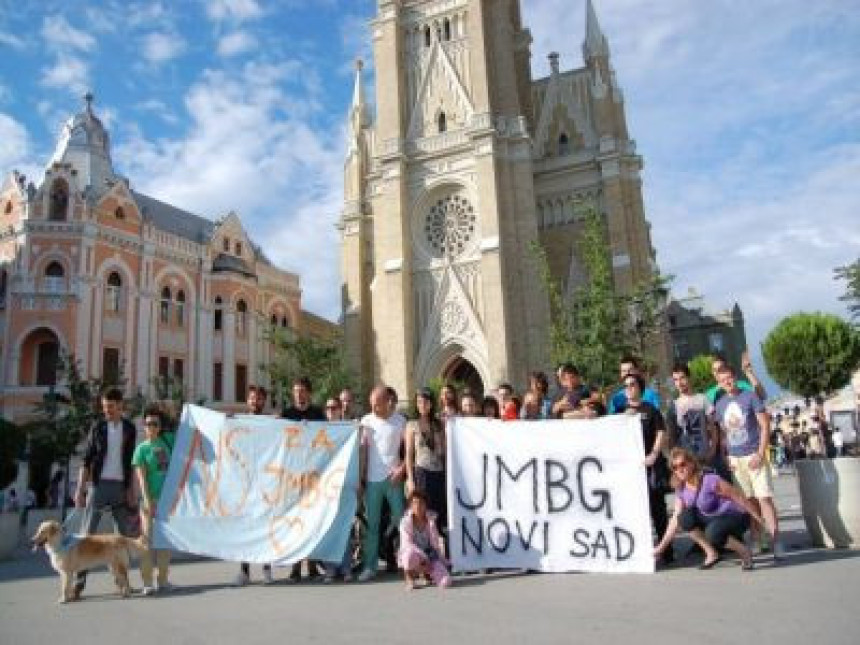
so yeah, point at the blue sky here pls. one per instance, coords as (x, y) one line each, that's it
(747, 115)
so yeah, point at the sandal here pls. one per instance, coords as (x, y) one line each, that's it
(709, 564)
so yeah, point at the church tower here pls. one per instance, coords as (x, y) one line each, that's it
(468, 163)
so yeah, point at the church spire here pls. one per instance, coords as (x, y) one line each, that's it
(595, 42)
(359, 118)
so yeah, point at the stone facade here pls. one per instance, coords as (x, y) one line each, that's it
(468, 161)
(695, 331)
(129, 284)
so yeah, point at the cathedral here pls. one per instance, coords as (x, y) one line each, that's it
(467, 162)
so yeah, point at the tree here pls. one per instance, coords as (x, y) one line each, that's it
(700, 372)
(13, 442)
(851, 274)
(322, 361)
(812, 354)
(593, 325)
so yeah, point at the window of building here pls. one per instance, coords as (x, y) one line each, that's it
(218, 381)
(284, 322)
(442, 122)
(113, 292)
(179, 370)
(8, 207)
(427, 36)
(59, 200)
(165, 305)
(164, 367)
(47, 358)
(241, 315)
(119, 213)
(563, 144)
(3, 279)
(238, 248)
(180, 308)
(274, 320)
(447, 29)
(226, 245)
(673, 320)
(241, 382)
(110, 366)
(55, 277)
(218, 314)
(715, 341)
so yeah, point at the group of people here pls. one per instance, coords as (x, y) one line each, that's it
(717, 442)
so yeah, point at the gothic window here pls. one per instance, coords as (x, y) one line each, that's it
(59, 200)
(55, 277)
(241, 315)
(450, 225)
(427, 36)
(47, 359)
(442, 121)
(274, 321)
(447, 29)
(226, 245)
(113, 292)
(8, 207)
(284, 322)
(218, 314)
(166, 298)
(238, 248)
(563, 145)
(180, 308)
(119, 213)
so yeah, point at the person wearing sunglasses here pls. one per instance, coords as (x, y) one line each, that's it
(150, 460)
(653, 437)
(713, 512)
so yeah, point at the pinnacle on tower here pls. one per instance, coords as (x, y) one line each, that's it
(595, 42)
(359, 116)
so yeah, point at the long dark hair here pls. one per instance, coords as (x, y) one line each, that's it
(433, 422)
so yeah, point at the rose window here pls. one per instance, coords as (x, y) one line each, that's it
(450, 225)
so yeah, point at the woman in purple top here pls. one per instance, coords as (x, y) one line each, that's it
(714, 513)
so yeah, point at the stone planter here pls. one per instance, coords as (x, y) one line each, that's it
(10, 529)
(830, 499)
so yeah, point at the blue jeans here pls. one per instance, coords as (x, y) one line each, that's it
(374, 494)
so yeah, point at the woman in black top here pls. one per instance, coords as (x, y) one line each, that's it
(653, 436)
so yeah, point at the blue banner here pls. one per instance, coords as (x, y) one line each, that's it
(259, 489)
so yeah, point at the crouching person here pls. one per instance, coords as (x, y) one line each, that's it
(714, 513)
(151, 459)
(421, 547)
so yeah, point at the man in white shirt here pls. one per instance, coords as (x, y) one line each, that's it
(107, 468)
(382, 472)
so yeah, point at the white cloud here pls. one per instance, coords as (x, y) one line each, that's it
(238, 10)
(16, 143)
(251, 149)
(238, 42)
(67, 72)
(160, 47)
(59, 34)
(159, 108)
(11, 40)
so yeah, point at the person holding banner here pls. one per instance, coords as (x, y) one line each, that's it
(256, 402)
(150, 460)
(425, 455)
(381, 472)
(303, 409)
(653, 436)
(469, 404)
(422, 552)
(714, 513)
(490, 408)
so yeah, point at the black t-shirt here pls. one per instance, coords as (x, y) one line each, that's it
(652, 423)
(573, 397)
(310, 413)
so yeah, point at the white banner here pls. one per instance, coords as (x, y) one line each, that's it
(549, 496)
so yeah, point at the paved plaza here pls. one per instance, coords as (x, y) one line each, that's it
(813, 597)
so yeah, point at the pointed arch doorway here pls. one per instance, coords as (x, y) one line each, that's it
(461, 371)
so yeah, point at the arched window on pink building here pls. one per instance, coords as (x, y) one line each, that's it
(241, 318)
(166, 301)
(113, 292)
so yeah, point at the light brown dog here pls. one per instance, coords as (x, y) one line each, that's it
(70, 554)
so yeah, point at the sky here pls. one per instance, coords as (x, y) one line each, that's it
(747, 116)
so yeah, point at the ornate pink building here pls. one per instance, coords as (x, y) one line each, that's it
(134, 287)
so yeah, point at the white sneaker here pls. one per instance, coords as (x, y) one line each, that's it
(367, 575)
(148, 591)
(241, 579)
(268, 578)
